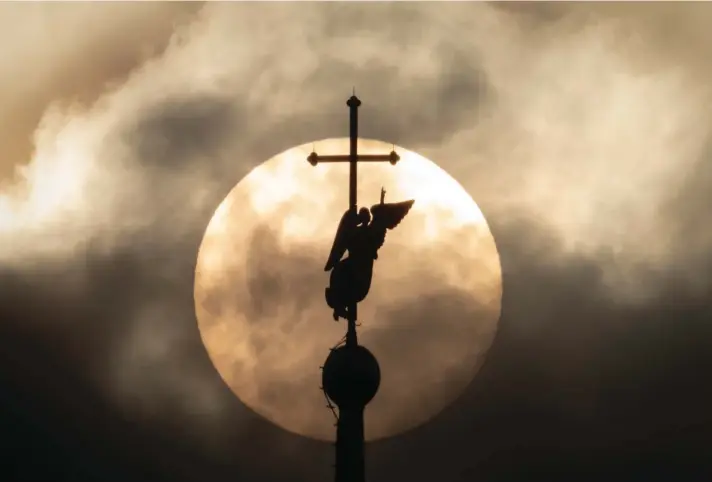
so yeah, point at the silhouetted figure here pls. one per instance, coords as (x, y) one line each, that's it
(361, 234)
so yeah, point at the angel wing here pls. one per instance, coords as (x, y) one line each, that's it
(387, 216)
(338, 248)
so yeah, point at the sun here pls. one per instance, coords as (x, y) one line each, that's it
(430, 317)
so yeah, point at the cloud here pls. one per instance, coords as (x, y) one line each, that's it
(59, 54)
(582, 132)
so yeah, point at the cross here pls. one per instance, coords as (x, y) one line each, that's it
(353, 158)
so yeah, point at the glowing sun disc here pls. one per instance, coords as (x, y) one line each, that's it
(259, 289)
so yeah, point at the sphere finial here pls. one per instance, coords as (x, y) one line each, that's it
(351, 376)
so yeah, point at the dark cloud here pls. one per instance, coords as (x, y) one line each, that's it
(422, 112)
(583, 381)
(174, 132)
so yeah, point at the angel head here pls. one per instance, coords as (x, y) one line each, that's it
(364, 216)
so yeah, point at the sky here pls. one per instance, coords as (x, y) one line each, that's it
(581, 130)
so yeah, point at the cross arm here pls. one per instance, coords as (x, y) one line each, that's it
(393, 158)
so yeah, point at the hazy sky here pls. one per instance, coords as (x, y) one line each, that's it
(581, 130)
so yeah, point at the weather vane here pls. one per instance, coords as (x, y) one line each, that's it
(351, 375)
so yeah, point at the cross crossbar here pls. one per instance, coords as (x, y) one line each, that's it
(393, 158)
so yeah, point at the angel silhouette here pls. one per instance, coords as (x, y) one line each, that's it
(361, 234)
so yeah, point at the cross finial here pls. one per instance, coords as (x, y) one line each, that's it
(353, 158)
(353, 101)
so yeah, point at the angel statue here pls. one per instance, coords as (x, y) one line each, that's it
(361, 234)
